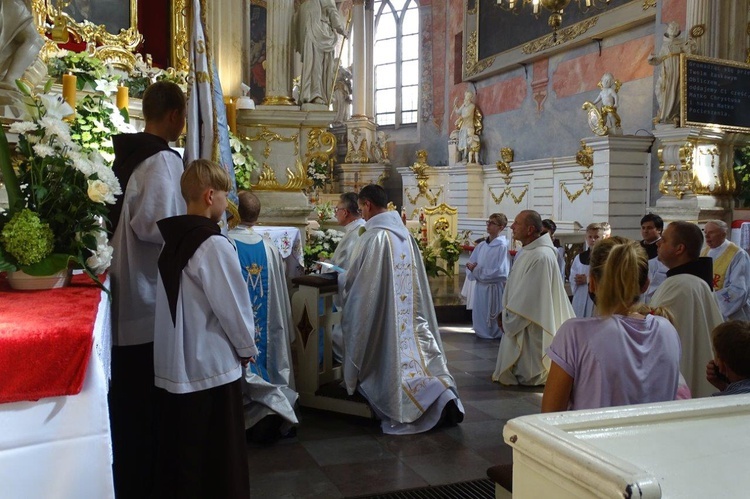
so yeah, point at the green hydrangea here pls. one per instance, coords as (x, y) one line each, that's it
(27, 238)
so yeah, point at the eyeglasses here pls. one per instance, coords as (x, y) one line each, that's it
(490, 222)
(337, 209)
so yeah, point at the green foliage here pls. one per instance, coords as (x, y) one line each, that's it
(85, 67)
(320, 245)
(137, 85)
(429, 256)
(448, 247)
(27, 238)
(742, 175)
(95, 120)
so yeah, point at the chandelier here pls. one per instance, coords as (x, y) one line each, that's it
(555, 7)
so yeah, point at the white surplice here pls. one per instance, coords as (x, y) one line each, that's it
(583, 306)
(490, 274)
(696, 313)
(535, 305)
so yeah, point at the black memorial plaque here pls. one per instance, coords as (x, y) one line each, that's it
(715, 93)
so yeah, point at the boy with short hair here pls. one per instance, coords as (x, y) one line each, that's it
(149, 172)
(583, 306)
(204, 335)
(729, 371)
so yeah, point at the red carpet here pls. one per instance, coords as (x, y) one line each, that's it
(46, 339)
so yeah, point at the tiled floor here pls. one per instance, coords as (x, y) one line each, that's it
(341, 456)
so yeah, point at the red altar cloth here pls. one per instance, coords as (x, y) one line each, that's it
(46, 339)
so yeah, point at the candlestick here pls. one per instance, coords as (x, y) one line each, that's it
(231, 114)
(122, 97)
(69, 89)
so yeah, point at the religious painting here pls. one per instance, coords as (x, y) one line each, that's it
(257, 51)
(496, 39)
(113, 14)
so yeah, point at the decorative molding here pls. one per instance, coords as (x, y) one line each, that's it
(676, 163)
(649, 4)
(296, 180)
(503, 166)
(427, 66)
(473, 64)
(180, 39)
(441, 209)
(508, 192)
(575, 195)
(268, 136)
(563, 36)
(698, 31)
(320, 145)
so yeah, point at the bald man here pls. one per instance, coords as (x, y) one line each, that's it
(535, 305)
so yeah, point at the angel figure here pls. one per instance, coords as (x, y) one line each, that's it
(605, 120)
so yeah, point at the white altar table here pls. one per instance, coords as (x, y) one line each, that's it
(60, 447)
(289, 241)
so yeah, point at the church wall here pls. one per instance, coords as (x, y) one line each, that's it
(535, 110)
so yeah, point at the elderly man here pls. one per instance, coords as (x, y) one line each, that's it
(687, 294)
(731, 279)
(348, 216)
(534, 306)
(393, 353)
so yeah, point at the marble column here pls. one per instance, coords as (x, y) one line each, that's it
(360, 60)
(225, 34)
(370, 48)
(699, 14)
(733, 22)
(279, 53)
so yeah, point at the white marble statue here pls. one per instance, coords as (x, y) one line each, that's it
(668, 78)
(468, 128)
(20, 42)
(342, 95)
(316, 23)
(379, 150)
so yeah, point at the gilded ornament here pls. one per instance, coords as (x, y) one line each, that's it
(585, 156)
(296, 180)
(572, 196)
(115, 49)
(473, 64)
(268, 136)
(649, 4)
(442, 209)
(320, 145)
(441, 223)
(562, 36)
(698, 30)
(509, 192)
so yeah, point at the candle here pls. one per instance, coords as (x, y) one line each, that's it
(122, 97)
(231, 114)
(69, 89)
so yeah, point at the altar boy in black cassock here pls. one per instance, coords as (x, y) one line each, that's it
(204, 333)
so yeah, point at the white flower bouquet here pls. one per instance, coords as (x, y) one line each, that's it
(57, 194)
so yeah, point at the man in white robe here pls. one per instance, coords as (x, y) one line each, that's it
(731, 272)
(393, 353)
(535, 305)
(652, 226)
(488, 267)
(268, 383)
(347, 215)
(687, 294)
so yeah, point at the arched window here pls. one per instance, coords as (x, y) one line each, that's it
(396, 60)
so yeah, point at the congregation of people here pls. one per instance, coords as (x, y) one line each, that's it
(202, 358)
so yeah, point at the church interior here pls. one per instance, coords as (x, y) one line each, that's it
(583, 111)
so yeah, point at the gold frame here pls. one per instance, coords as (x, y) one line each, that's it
(683, 92)
(116, 49)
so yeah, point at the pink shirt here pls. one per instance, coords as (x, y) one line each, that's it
(618, 360)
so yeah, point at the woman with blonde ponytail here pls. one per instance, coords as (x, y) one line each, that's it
(628, 354)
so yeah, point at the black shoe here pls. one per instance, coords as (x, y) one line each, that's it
(266, 431)
(450, 416)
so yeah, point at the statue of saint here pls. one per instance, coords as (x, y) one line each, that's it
(20, 42)
(317, 22)
(342, 95)
(668, 78)
(468, 127)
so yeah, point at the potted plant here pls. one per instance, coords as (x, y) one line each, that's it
(57, 196)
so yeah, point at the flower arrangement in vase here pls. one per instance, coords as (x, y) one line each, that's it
(57, 195)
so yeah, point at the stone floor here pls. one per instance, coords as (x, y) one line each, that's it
(336, 456)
